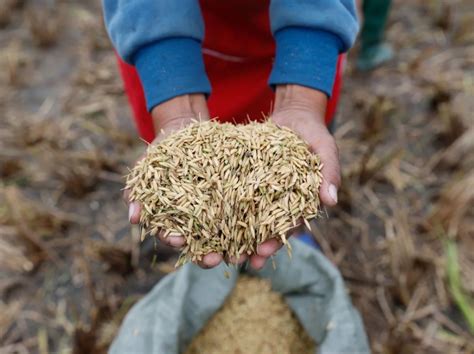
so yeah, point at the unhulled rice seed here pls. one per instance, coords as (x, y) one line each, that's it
(226, 188)
(253, 320)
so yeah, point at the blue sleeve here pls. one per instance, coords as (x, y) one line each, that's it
(162, 39)
(309, 35)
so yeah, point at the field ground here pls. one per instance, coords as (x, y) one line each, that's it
(402, 235)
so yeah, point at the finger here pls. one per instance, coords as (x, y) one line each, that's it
(126, 196)
(134, 209)
(240, 260)
(257, 262)
(268, 248)
(173, 240)
(326, 148)
(210, 260)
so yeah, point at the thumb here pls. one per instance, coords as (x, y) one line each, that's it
(326, 148)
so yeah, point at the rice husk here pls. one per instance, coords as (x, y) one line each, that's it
(253, 319)
(226, 188)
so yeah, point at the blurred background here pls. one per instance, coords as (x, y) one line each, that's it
(402, 235)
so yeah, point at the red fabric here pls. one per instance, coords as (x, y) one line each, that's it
(238, 53)
(136, 99)
(336, 89)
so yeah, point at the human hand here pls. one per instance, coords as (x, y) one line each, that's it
(302, 109)
(170, 116)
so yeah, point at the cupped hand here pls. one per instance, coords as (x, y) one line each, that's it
(302, 110)
(171, 116)
(298, 108)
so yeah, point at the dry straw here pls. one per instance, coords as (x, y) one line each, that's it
(253, 319)
(226, 188)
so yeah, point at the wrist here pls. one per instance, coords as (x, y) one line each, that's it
(179, 110)
(171, 67)
(290, 97)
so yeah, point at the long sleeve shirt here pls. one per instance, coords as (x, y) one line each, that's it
(163, 40)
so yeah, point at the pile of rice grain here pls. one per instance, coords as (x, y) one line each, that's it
(253, 319)
(226, 188)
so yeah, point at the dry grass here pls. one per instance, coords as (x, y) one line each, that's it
(6, 9)
(405, 137)
(253, 320)
(26, 224)
(15, 61)
(8, 317)
(226, 188)
(44, 21)
(14, 255)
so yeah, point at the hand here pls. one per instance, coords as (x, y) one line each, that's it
(170, 116)
(302, 109)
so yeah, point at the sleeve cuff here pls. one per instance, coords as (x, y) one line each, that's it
(170, 68)
(305, 57)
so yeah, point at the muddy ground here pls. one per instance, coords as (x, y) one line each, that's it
(402, 235)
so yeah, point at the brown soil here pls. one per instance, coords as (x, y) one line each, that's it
(70, 265)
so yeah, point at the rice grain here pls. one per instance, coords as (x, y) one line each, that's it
(253, 320)
(226, 188)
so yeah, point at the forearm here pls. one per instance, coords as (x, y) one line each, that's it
(162, 39)
(309, 36)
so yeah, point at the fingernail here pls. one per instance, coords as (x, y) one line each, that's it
(333, 192)
(211, 260)
(176, 241)
(131, 211)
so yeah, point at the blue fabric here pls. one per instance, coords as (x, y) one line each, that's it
(306, 57)
(162, 37)
(170, 68)
(133, 24)
(309, 35)
(309, 240)
(338, 17)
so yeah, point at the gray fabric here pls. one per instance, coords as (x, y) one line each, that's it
(167, 318)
